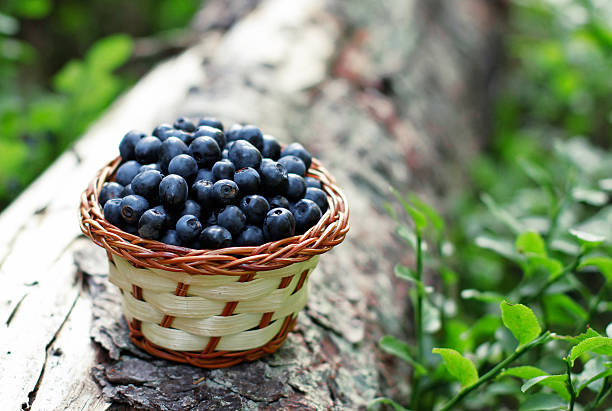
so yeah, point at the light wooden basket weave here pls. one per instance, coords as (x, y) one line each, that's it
(212, 308)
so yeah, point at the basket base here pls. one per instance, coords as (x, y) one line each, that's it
(215, 359)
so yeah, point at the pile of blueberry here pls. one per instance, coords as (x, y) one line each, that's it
(192, 184)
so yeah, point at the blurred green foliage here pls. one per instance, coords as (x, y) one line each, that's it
(61, 64)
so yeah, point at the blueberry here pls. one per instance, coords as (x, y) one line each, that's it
(244, 154)
(225, 154)
(225, 192)
(129, 141)
(232, 133)
(298, 150)
(215, 236)
(127, 190)
(184, 136)
(112, 212)
(274, 178)
(250, 236)
(212, 219)
(127, 171)
(163, 131)
(205, 174)
(296, 187)
(231, 218)
(183, 123)
(279, 224)
(312, 182)
(293, 164)
(251, 134)
(183, 165)
(248, 180)
(215, 133)
(171, 238)
(223, 170)
(108, 191)
(173, 191)
(271, 148)
(152, 166)
(147, 150)
(318, 196)
(307, 213)
(146, 184)
(133, 207)
(202, 191)
(255, 208)
(210, 122)
(205, 150)
(279, 201)
(171, 148)
(130, 228)
(151, 224)
(188, 228)
(169, 218)
(191, 207)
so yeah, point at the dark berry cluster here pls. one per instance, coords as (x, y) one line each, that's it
(196, 185)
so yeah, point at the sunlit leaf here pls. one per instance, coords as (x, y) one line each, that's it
(587, 240)
(531, 243)
(110, 52)
(521, 321)
(603, 264)
(593, 197)
(484, 296)
(528, 372)
(502, 247)
(458, 366)
(590, 344)
(543, 379)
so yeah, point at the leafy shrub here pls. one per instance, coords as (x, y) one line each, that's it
(530, 304)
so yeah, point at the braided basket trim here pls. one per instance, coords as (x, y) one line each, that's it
(237, 261)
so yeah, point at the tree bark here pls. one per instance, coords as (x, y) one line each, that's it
(391, 93)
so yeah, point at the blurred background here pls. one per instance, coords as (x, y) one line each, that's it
(63, 62)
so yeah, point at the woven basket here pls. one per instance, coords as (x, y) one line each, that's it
(212, 308)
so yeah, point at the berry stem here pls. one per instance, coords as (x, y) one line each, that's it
(418, 321)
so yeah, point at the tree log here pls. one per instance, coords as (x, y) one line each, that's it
(391, 93)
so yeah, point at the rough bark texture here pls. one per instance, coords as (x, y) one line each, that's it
(382, 92)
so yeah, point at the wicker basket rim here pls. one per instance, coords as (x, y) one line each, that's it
(327, 233)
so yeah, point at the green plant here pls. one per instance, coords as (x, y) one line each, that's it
(548, 241)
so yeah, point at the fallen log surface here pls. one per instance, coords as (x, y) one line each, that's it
(390, 93)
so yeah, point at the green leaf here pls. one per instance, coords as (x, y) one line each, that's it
(8, 25)
(589, 344)
(521, 321)
(528, 372)
(483, 296)
(70, 77)
(504, 216)
(589, 333)
(400, 349)
(531, 243)
(32, 9)
(385, 401)
(436, 220)
(587, 240)
(561, 309)
(535, 171)
(543, 401)
(406, 234)
(593, 197)
(500, 247)
(603, 264)
(458, 366)
(110, 52)
(593, 371)
(543, 379)
(551, 265)
(405, 273)
(606, 184)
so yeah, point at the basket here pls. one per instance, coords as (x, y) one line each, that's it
(212, 308)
